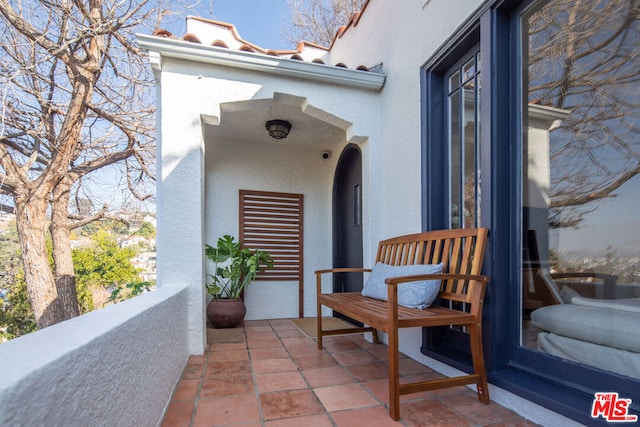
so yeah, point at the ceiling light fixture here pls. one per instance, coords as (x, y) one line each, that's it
(278, 129)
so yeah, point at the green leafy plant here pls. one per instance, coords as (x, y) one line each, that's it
(234, 266)
(128, 291)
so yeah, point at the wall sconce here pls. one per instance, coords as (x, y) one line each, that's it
(278, 129)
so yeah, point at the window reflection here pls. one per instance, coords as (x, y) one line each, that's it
(581, 184)
(464, 132)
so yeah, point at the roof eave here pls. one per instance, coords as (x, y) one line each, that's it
(195, 52)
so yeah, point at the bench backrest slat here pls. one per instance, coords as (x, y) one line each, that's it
(460, 250)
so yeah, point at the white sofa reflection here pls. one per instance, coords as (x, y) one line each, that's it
(603, 333)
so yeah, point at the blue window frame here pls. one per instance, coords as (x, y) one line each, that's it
(554, 383)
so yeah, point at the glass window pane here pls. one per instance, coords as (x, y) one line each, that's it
(454, 154)
(469, 158)
(581, 184)
(464, 116)
(454, 81)
(469, 70)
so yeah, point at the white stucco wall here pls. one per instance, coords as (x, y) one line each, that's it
(202, 175)
(402, 39)
(115, 366)
(281, 169)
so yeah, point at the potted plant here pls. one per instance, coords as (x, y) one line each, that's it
(235, 268)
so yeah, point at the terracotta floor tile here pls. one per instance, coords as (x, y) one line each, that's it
(369, 371)
(411, 367)
(380, 389)
(379, 353)
(186, 390)
(268, 353)
(255, 335)
(227, 410)
(178, 414)
(349, 376)
(340, 338)
(290, 333)
(343, 345)
(263, 342)
(347, 396)
(359, 357)
(306, 349)
(322, 377)
(286, 404)
(470, 407)
(228, 346)
(251, 323)
(363, 343)
(283, 323)
(318, 360)
(308, 421)
(264, 366)
(377, 416)
(194, 368)
(228, 368)
(430, 412)
(514, 423)
(223, 356)
(297, 341)
(258, 328)
(226, 386)
(279, 381)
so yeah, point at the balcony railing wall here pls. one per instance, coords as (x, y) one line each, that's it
(113, 366)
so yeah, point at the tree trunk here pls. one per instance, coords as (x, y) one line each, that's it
(62, 260)
(31, 222)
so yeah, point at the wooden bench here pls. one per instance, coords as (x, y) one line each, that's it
(460, 302)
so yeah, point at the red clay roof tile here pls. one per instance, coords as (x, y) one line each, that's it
(250, 47)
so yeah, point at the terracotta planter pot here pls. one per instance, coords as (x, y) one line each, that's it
(226, 313)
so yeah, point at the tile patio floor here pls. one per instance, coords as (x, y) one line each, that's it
(270, 374)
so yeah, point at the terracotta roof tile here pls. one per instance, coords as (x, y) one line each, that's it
(353, 22)
(191, 38)
(163, 33)
(219, 43)
(304, 51)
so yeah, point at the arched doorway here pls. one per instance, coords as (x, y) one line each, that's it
(347, 219)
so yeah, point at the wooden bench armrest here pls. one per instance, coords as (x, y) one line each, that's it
(319, 274)
(473, 294)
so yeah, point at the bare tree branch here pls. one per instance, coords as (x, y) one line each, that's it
(584, 57)
(79, 98)
(317, 21)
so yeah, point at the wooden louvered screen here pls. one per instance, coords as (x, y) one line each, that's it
(274, 222)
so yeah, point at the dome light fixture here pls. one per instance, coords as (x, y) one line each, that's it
(278, 129)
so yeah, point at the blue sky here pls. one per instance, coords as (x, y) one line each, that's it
(258, 21)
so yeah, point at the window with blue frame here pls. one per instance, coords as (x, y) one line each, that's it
(581, 183)
(559, 152)
(463, 117)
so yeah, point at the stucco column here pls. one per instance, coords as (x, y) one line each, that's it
(180, 205)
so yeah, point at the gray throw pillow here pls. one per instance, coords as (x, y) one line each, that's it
(418, 294)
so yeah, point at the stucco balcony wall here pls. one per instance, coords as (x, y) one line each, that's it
(113, 366)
